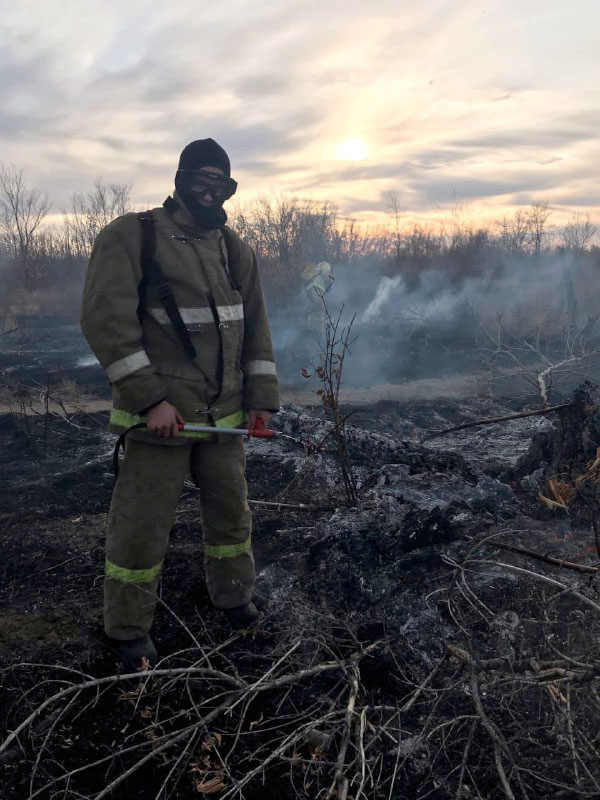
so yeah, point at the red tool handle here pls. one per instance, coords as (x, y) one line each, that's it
(260, 430)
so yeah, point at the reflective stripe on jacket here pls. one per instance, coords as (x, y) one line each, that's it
(218, 291)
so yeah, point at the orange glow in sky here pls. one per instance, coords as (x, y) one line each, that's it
(485, 105)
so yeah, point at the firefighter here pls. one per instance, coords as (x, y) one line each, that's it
(317, 282)
(192, 345)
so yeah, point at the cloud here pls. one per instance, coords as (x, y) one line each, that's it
(260, 85)
(118, 89)
(259, 167)
(444, 190)
(114, 142)
(29, 96)
(530, 138)
(351, 205)
(350, 174)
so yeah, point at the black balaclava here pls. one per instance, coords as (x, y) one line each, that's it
(198, 154)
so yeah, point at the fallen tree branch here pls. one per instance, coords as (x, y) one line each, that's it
(558, 562)
(545, 579)
(235, 693)
(547, 672)
(504, 663)
(285, 745)
(340, 780)
(497, 739)
(360, 748)
(419, 690)
(459, 792)
(298, 506)
(271, 505)
(492, 420)
(237, 685)
(77, 687)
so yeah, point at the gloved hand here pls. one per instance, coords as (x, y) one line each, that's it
(264, 415)
(162, 420)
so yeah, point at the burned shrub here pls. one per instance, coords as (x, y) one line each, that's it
(561, 470)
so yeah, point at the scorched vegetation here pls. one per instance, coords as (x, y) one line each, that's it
(440, 640)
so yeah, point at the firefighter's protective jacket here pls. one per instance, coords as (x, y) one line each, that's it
(219, 295)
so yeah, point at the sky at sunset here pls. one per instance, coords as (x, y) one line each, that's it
(444, 103)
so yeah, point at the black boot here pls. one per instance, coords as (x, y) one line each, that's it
(242, 617)
(134, 651)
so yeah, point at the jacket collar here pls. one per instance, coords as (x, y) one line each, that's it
(179, 214)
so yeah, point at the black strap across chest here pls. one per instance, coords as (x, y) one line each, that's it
(154, 277)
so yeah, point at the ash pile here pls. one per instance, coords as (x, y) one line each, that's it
(417, 503)
(475, 558)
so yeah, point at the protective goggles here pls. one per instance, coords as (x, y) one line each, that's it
(200, 181)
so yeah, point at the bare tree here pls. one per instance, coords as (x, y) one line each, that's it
(396, 211)
(422, 243)
(578, 233)
(514, 232)
(22, 213)
(93, 211)
(537, 217)
(287, 234)
(348, 241)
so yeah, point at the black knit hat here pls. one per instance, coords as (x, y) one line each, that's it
(204, 153)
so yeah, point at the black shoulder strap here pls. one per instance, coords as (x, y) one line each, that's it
(152, 275)
(232, 246)
(231, 243)
(146, 259)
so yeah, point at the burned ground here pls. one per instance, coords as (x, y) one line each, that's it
(399, 646)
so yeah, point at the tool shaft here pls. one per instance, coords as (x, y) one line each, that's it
(212, 429)
(260, 431)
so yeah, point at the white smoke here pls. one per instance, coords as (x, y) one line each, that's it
(386, 289)
(520, 297)
(395, 315)
(393, 302)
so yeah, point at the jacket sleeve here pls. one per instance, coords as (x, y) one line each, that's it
(110, 323)
(261, 387)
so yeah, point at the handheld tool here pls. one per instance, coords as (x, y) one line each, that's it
(259, 431)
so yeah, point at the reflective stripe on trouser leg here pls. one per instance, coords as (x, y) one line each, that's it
(140, 520)
(218, 471)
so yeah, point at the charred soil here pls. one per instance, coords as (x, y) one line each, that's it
(401, 651)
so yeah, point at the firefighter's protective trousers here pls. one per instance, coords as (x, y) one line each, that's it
(142, 514)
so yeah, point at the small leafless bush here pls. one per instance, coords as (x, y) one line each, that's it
(335, 346)
(67, 392)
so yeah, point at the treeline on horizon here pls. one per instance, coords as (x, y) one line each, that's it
(42, 266)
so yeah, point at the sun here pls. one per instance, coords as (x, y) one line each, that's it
(351, 150)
